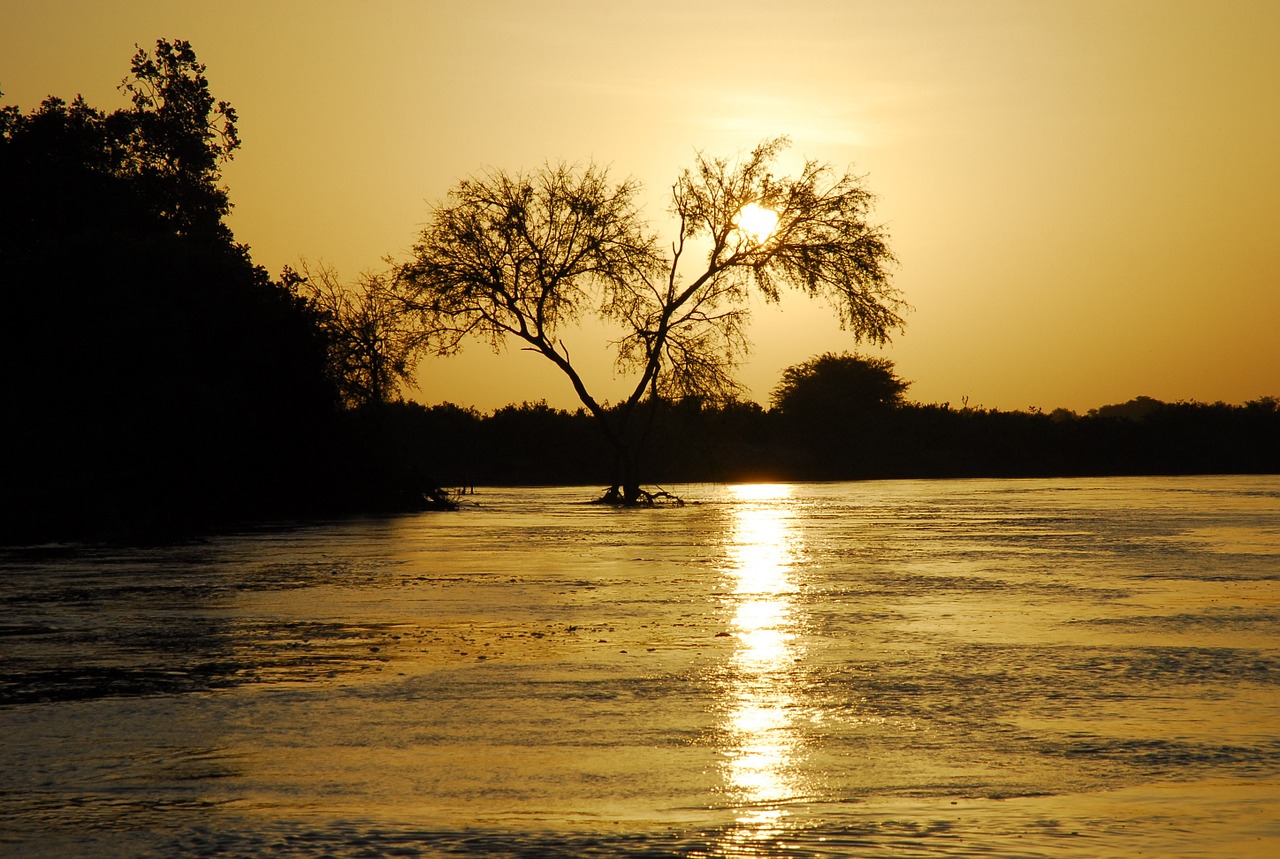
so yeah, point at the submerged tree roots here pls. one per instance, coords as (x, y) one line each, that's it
(635, 497)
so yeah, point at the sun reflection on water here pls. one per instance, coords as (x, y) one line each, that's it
(762, 742)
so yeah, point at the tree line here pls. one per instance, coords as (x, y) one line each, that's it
(838, 436)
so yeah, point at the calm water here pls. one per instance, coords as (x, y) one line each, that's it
(1068, 668)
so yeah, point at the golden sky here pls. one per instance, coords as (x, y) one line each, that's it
(1084, 194)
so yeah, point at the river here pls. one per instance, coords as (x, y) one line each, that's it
(977, 668)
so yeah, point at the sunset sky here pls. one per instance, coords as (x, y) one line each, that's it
(1084, 195)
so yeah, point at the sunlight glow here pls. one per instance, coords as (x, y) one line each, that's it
(756, 222)
(760, 491)
(763, 742)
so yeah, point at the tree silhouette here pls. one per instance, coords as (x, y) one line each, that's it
(838, 387)
(520, 256)
(176, 137)
(154, 374)
(835, 408)
(371, 348)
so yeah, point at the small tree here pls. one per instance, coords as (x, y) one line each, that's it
(837, 408)
(833, 387)
(515, 255)
(372, 349)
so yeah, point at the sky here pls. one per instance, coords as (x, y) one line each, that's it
(1083, 195)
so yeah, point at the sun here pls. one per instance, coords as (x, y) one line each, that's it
(756, 222)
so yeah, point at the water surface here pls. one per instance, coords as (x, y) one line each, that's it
(1066, 668)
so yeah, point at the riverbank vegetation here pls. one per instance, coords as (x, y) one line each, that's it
(155, 378)
(693, 441)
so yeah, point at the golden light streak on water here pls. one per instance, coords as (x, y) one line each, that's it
(762, 744)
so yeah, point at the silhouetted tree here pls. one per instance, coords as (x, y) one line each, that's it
(152, 372)
(521, 256)
(1134, 410)
(839, 388)
(371, 348)
(835, 407)
(176, 137)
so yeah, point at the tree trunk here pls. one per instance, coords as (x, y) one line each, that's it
(625, 482)
(625, 490)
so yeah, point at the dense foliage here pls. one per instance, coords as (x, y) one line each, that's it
(153, 375)
(695, 441)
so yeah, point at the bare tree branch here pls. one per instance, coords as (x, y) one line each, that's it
(373, 346)
(522, 255)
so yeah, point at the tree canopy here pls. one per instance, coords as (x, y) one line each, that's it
(152, 370)
(371, 347)
(839, 386)
(514, 255)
